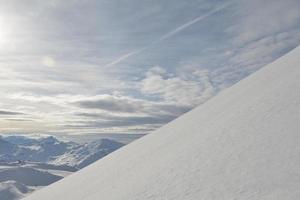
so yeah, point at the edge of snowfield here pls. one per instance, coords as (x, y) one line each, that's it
(13, 190)
(242, 144)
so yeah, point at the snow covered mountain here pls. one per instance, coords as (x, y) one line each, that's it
(242, 144)
(83, 155)
(27, 163)
(6, 149)
(52, 150)
(44, 149)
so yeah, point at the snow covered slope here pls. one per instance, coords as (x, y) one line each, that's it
(11, 190)
(20, 179)
(242, 144)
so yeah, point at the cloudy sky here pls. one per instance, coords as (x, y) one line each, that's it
(129, 66)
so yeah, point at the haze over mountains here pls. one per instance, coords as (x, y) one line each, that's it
(241, 144)
(29, 163)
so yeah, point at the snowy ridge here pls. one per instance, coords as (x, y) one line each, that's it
(54, 151)
(5, 148)
(242, 144)
(19, 179)
(24, 148)
(13, 190)
(88, 153)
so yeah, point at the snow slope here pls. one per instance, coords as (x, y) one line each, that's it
(28, 176)
(242, 144)
(19, 179)
(11, 190)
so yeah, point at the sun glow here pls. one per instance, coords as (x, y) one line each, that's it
(5, 30)
(2, 29)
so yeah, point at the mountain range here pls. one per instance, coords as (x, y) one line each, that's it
(30, 163)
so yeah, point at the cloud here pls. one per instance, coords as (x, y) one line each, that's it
(192, 22)
(54, 60)
(191, 86)
(125, 56)
(259, 18)
(4, 112)
(20, 120)
(262, 32)
(120, 105)
(111, 103)
(170, 34)
(105, 121)
(123, 113)
(260, 52)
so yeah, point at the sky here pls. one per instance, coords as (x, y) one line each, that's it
(130, 66)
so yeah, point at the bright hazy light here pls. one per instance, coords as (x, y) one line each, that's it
(2, 35)
(48, 61)
(5, 30)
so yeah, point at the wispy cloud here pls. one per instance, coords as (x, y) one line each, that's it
(169, 34)
(192, 22)
(179, 54)
(5, 112)
(257, 21)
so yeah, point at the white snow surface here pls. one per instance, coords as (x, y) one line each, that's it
(242, 144)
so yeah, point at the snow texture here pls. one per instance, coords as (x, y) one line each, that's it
(242, 144)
